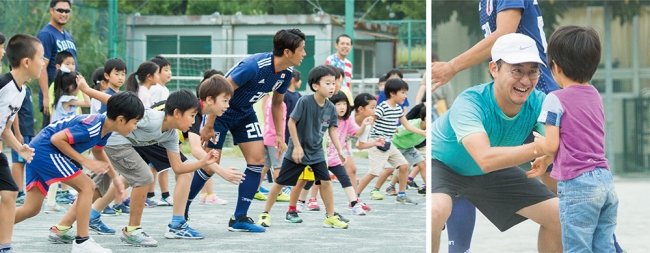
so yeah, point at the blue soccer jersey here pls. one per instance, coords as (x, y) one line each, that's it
(531, 24)
(83, 131)
(255, 77)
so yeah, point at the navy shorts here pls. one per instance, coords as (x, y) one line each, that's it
(156, 156)
(15, 158)
(245, 130)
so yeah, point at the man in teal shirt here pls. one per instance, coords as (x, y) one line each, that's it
(477, 144)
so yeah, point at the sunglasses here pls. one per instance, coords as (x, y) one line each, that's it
(61, 10)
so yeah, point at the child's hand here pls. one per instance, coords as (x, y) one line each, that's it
(26, 153)
(380, 142)
(119, 189)
(368, 121)
(297, 154)
(212, 157)
(232, 175)
(97, 167)
(343, 158)
(81, 83)
(540, 142)
(539, 167)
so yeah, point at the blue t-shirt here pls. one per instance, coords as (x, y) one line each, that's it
(474, 111)
(290, 99)
(111, 92)
(255, 76)
(83, 131)
(531, 24)
(26, 115)
(54, 42)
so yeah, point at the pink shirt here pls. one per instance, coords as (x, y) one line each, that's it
(346, 129)
(269, 127)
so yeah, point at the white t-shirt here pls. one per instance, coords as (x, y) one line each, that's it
(159, 93)
(145, 96)
(95, 105)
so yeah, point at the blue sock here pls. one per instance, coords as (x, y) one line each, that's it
(177, 220)
(460, 225)
(401, 194)
(247, 189)
(94, 214)
(198, 181)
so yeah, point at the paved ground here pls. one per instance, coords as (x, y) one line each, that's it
(632, 229)
(377, 232)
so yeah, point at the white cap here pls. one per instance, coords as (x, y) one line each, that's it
(516, 48)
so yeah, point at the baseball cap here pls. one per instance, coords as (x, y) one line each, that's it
(516, 48)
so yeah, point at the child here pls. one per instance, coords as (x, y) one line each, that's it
(159, 92)
(406, 143)
(381, 85)
(291, 98)
(575, 143)
(66, 139)
(146, 75)
(65, 95)
(99, 83)
(271, 160)
(313, 115)
(387, 114)
(114, 73)
(25, 56)
(2, 48)
(63, 58)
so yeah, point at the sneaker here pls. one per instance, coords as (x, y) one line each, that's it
(183, 231)
(260, 196)
(264, 190)
(422, 190)
(286, 189)
(363, 205)
(9, 250)
(283, 197)
(244, 224)
(169, 201)
(56, 208)
(357, 210)
(215, 200)
(71, 197)
(334, 221)
(20, 200)
(89, 246)
(343, 219)
(390, 191)
(121, 208)
(405, 200)
(148, 202)
(300, 206)
(109, 211)
(127, 202)
(264, 220)
(202, 198)
(292, 217)
(333, 178)
(411, 184)
(138, 238)
(61, 236)
(374, 194)
(62, 198)
(312, 205)
(99, 227)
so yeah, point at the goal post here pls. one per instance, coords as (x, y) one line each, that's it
(188, 69)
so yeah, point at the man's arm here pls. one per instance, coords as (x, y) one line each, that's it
(42, 83)
(495, 158)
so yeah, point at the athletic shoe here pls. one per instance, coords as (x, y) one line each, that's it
(62, 198)
(264, 220)
(374, 194)
(283, 197)
(99, 227)
(56, 208)
(183, 231)
(202, 198)
(61, 236)
(343, 219)
(292, 217)
(264, 190)
(71, 197)
(312, 205)
(363, 205)
(187, 215)
(138, 238)
(334, 221)
(215, 200)
(390, 191)
(148, 202)
(287, 189)
(109, 211)
(405, 200)
(169, 201)
(89, 246)
(121, 208)
(20, 200)
(244, 224)
(333, 178)
(127, 202)
(260, 196)
(422, 190)
(411, 184)
(300, 206)
(357, 210)
(9, 250)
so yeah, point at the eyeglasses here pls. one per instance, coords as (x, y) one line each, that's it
(518, 74)
(61, 10)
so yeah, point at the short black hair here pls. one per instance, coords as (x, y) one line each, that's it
(2, 38)
(62, 56)
(145, 69)
(383, 78)
(287, 39)
(116, 64)
(97, 77)
(21, 46)
(423, 112)
(338, 73)
(362, 100)
(126, 104)
(394, 85)
(338, 97)
(183, 100)
(343, 36)
(296, 74)
(161, 61)
(64, 83)
(206, 75)
(576, 50)
(54, 2)
(395, 72)
(317, 73)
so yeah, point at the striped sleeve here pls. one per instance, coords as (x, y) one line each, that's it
(551, 111)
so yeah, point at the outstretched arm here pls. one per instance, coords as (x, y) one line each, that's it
(491, 158)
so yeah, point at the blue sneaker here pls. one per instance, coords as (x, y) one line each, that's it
(244, 224)
(127, 202)
(148, 202)
(287, 190)
(71, 197)
(62, 198)
(264, 190)
(99, 227)
(109, 211)
(183, 231)
(20, 200)
(121, 208)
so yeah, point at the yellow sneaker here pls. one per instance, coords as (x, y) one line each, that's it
(374, 194)
(260, 196)
(283, 197)
(334, 221)
(264, 220)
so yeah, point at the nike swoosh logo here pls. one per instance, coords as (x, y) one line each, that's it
(522, 48)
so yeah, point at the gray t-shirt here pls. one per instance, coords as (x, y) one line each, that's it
(312, 122)
(149, 132)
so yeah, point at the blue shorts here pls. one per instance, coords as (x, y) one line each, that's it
(246, 130)
(48, 168)
(15, 158)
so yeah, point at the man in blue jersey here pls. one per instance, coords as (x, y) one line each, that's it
(252, 78)
(477, 145)
(54, 40)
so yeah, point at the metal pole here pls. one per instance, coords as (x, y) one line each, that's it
(112, 25)
(349, 26)
(609, 89)
(409, 43)
(635, 57)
